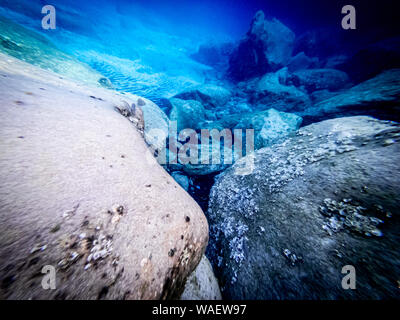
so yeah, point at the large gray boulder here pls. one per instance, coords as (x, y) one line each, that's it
(202, 284)
(81, 192)
(325, 198)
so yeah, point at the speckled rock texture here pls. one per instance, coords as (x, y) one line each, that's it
(202, 284)
(80, 191)
(325, 198)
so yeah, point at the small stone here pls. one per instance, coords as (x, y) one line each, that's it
(388, 142)
(171, 252)
(141, 102)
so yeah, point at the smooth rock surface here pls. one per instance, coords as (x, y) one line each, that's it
(81, 192)
(182, 179)
(202, 284)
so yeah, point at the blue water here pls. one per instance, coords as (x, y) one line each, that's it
(144, 47)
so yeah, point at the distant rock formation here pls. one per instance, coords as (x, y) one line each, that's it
(267, 46)
(373, 59)
(378, 97)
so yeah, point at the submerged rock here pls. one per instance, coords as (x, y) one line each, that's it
(373, 59)
(187, 113)
(270, 126)
(319, 79)
(323, 43)
(301, 62)
(212, 158)
(209, 95)
(81, 192)
(202, 284)
(271, 91)
(378, 97)
(321, 200)
(156, 124)
(215, 55)
(182, 179)
(267, 46)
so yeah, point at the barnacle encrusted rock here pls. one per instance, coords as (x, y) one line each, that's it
(81, 192)
(325, 198)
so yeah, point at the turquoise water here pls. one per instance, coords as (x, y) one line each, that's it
(145, 47)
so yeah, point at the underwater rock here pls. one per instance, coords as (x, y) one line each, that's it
(202, 284)
(319, 79)
(319, 43)
(182, 179)
(270, 126)
(214, 54)
(270, 91)
(378, 97)
(105, 83)
(187, 113)
(209, 95)
(375, 58)
(156, 125)
(325, 198)
(216, 159)
(81, 192)
(267, 46)
(321, 95)
(301, 62)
